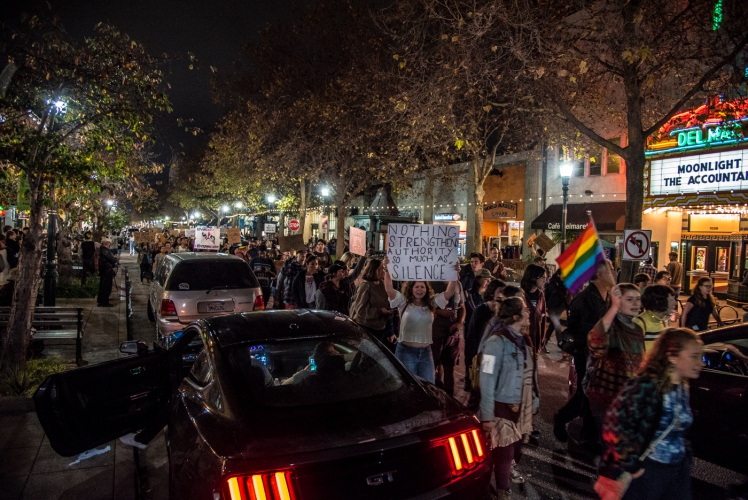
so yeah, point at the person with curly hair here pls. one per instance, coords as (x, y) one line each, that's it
(416, 304)
(645, 456)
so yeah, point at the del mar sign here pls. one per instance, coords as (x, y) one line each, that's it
(727, 171)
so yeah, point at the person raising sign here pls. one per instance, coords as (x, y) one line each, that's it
(416, 304)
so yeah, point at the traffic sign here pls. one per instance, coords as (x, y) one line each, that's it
(294, 225)
(636, 244)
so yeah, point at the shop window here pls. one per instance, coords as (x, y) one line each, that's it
(613, 161)
(595, 153)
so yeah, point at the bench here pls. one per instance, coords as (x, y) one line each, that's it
(57, 325)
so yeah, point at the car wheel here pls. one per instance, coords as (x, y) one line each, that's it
(151, 314)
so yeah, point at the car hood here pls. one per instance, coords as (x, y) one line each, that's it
(267, 431)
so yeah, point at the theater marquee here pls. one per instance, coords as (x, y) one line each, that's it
(710, 172)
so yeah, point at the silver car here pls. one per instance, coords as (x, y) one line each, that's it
(190, 286)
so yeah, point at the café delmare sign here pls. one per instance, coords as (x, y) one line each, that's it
(709, 172)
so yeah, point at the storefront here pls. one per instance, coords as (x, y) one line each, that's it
(696, 192)
(503, 214)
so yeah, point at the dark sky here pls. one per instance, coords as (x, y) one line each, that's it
(214, 30)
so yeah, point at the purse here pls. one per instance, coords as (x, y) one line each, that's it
(614, 489)
(568, 343)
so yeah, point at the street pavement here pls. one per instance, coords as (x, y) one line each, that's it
(30, 469)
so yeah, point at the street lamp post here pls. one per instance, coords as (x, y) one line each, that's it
(565, 170)
(325, 192)
(50, 276)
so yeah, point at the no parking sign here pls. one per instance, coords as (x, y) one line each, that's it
(636, 244)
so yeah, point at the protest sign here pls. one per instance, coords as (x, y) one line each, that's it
(531, 240)
(234, 235)
(422, 252)
(207, 238)
(545, 243)
(189, 233)
(357, 239)
(291, 243)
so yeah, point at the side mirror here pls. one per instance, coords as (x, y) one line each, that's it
(133, 347)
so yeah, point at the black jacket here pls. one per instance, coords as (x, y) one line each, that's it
(587, 308)
(13, 249)
(299, 292)
(107, 261)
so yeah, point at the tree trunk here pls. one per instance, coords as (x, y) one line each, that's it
(302, 209)
(475, 236)
(340, 230)
(15, 342)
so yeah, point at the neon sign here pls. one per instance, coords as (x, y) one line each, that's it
(708, 136)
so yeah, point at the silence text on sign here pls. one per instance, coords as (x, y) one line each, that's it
(422, 252)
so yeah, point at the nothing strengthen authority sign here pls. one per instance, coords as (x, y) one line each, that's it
(422, 252)
(699, 173)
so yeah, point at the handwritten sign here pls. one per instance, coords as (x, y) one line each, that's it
(207, 238)
(291, 243)
(545, 243)
(189, 233)
(422, 252)
(357, 238)
(234, 235)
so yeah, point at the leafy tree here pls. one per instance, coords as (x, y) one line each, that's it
(74, 111)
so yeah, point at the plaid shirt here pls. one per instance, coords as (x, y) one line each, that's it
(650, 270)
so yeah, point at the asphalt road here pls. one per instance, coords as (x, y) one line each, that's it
(553, 470)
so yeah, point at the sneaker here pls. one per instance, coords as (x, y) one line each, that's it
(515, 475)
(559, 430)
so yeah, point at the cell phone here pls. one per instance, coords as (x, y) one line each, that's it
(312, 364)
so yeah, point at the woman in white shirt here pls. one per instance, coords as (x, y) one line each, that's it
(416, 305)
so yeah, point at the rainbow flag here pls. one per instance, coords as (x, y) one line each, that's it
(579, 262)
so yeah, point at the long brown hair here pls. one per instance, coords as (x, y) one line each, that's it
(702, 300)
(370, 270)
(656, 364)
(510, 310)
(407, 291)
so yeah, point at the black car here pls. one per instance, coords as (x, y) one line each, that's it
(719, 399)
(278, 405)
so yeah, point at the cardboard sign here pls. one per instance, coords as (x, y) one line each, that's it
(544, 242)
(207, 238)
(357, 239)
(175, 232)
(531, 240)
(422, 252)
(189, 233)
(291, 243)
(234, 235)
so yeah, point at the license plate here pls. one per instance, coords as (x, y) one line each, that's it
(215, 307)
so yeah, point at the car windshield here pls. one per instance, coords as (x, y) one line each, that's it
(205, 275)
(314, 371)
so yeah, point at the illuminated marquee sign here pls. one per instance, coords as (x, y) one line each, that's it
(699, 138)
(712, 172)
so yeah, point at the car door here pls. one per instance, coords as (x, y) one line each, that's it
(84, 408)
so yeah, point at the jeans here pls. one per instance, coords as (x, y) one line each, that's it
(662, 481)
(418, 360)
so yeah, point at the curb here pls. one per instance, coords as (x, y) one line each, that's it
(16, 404)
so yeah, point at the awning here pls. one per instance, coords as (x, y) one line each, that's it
(609, 216)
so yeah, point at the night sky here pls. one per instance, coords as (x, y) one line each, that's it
(213, 30)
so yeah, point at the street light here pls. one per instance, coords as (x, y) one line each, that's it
(565, 169)
(271, 198)
(325, 192)
(225, 209)
(239, 205)
(196, 215)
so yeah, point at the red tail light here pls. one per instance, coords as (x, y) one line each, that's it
(259, 304)
(269, 486)
(168, 308)
(464, 450)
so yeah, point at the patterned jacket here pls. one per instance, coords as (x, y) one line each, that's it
(630, 426)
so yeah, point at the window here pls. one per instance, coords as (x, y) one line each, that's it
(208, 274)
(303, 372)
(613, 163)
(200, 372)
(595, 153)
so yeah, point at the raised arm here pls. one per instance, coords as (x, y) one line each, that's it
(388, 281)
(452, 286)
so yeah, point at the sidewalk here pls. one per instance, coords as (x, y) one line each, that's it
(29, 468)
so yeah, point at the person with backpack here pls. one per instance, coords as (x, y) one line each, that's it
(508, 377)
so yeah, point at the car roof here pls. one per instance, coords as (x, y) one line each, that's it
(196, 256)
(261, 326)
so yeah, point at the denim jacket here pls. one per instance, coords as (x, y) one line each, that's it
(501, 373)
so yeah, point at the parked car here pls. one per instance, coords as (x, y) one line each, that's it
(296, 404)
(719, 399)
(190, 286)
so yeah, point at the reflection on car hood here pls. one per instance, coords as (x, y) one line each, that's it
(280, 431)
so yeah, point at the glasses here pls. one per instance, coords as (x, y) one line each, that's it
(667, 279)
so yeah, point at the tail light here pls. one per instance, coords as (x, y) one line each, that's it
(259, 303)
(464, 450)
(269, 486)
(168, 308)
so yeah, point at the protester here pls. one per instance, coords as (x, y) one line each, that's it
(616, 346)
(305, 284)
(145, 261)
(467, 273)
(370, 307)
(131, 239)
(416, 304)
(659, 303)
(642, 280)
(445, 339)
(323, 257)
(162, 253)
(675, 269)
(700, 306)
(557, 303)
(13, 248)
(474, 296)
(662, 278)
(292, 268)
(334, 293)
(585, 310)
(107, 263)
(507, 381)
(494, 264)
(532, 284)
(645, 427)
(263, 268)
(648, 269)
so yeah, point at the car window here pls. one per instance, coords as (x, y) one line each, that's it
(160, 272)
(200, 372)
(314, 371)
(204, 275)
